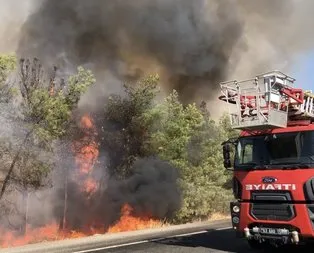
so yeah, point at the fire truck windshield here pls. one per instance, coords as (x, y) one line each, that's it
(275, 150)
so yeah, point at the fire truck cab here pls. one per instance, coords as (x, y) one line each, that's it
(272, 160)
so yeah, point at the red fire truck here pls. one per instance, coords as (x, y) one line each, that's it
(272, 159)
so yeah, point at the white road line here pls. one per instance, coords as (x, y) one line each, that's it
(181, 235)
(146, 241)
(226, 228)
(112, 247)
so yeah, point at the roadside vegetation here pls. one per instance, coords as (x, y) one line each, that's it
(37, 112)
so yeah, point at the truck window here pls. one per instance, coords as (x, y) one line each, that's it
(283, 146)
(275, 149)
(248, 153)
(245, 151)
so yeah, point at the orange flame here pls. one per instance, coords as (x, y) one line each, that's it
(127, 222)
(86, 122)
(47, 233)
(86, 151)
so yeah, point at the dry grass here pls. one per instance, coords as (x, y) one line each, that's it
(218, 216)
(213, 217)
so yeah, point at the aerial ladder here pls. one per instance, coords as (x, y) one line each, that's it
(267, 101)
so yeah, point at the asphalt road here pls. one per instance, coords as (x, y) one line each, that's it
(212, 237)
(221, 240)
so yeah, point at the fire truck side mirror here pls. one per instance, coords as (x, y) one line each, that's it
(226, 149)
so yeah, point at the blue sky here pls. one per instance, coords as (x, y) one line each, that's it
(303, 72)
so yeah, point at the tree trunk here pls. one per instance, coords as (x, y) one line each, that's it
(26, 209)
(65, 207)
(14, 161)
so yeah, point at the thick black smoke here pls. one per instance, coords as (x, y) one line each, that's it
(152, 191)
(192, 44)
(187, 42)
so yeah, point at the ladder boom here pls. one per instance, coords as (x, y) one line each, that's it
(266, 101)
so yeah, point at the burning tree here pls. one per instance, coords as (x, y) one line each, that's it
(123, 188)
(41, 117)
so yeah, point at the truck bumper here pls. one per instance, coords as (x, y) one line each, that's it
(297, 230)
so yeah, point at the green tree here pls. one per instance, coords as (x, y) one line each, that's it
(124, 133)
(46, 110)
(183, 135)
(44, 115)
(191, 141)
(228, 133)
(7, 66)
(171, 127)
(225, 124)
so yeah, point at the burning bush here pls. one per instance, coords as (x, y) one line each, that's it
(128, 166)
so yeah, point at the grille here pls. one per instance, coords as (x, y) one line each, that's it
(272, 206)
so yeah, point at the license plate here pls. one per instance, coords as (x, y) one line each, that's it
(274, 231)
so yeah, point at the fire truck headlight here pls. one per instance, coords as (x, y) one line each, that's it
(235, 220)
(236, 209)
